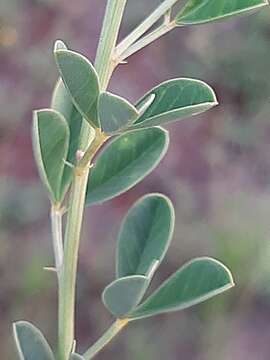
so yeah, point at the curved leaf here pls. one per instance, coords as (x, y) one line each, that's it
(123, 295)
(30, 342)
(174, 100)
(202, 11)
(195, 282)
(81, 80)
(50, 145)
(115, 112)
(124, 162)
(145, 235)
(61, 102)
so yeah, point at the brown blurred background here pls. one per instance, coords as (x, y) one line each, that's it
(217, 173)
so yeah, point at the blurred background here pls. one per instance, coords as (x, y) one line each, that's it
(217, 173)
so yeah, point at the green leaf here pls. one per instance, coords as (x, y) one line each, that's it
(202, 11)
(144, 105)
(30, 342)
(123, 295)
(81, 80)
(50, 144)
(115, 112)
(61, 102)
(145, 235)
(174, 100)
(195, 282)
(124, 162)
(76, 357)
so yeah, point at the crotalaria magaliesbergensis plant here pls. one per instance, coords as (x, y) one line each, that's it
(67, 137)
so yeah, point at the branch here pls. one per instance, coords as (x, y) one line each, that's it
(139, 31)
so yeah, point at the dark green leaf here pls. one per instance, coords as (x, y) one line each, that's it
(115, 112)
(61, 101)
(81, 80)
(50, 144)
(174, 100)
(123, 295)
(202, 11)
(145, 235)
(124, 162)
(30, 342)
(195, 282)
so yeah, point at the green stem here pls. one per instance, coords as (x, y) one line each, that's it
(56, 221)
(67, 278)
(116, 327)
(108, 38)
(140, 30)
(147, 39)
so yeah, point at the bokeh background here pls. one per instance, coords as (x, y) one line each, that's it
(217, 173)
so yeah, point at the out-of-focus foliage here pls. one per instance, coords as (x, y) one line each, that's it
(217, 172)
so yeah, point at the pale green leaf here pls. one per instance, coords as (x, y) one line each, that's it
(50, 145)
(202, 11)
(145, 235)
(174, 100)
(124, 162)
(195, 282)
(81, 80)
(61, 101)
(115, 112)
(30, 342)
(123, 295)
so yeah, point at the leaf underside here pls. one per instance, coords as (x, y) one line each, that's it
(61, 102)
(50, 145)
(30, 342)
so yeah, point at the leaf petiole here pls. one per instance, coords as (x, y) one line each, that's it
(113, 330)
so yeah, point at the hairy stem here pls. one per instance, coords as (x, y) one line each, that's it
(116, 327)
(140, 30)
(67, 283)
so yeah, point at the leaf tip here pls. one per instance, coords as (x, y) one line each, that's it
(231, 282)
(59, 45)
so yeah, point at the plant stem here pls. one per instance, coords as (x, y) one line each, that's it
(67, 278)
(99, 139)
(108, 38)
(56, 221)
(148, 39)
(116, 327)
(140, 30)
